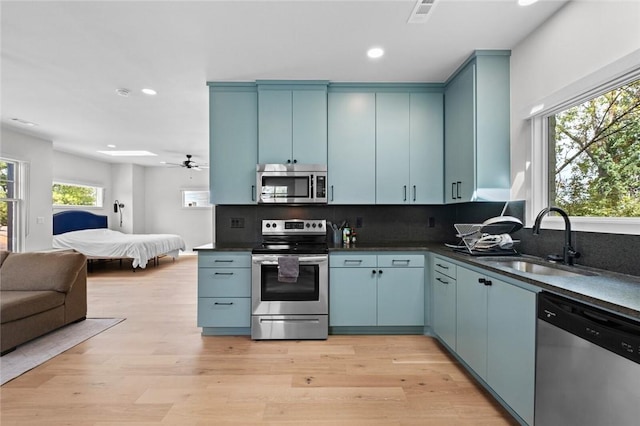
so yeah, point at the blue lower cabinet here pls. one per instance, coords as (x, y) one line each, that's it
(224, 292)
(224, 312)
(377, 291)
(496, 335)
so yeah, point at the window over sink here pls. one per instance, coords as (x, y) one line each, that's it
(586, 155)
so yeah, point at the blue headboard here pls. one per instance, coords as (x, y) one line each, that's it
(77, 220)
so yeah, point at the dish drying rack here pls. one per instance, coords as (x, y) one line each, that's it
(482, 239)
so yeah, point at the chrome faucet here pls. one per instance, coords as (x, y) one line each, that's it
(568, 252)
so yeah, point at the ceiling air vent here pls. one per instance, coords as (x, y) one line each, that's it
(421, 11)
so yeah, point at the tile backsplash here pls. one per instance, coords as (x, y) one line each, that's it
(434, 223)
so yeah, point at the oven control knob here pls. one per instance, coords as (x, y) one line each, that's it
(320, 225)
(268, 225)
(274, 225)
(313, 226)
(307, 225)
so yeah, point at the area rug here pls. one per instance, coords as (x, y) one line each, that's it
(36, 352)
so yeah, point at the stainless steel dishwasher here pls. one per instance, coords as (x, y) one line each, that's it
(587, 365)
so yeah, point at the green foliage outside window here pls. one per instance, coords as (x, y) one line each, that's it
(74, 195)
(597, 155)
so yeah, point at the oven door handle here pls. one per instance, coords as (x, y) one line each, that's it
(301, 260)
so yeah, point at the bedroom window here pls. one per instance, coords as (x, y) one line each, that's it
(193, 198)
(11, 233)
(68, 194)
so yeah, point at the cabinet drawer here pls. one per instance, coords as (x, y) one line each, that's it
(224, 282)
(353, 261)
(400, 260)
(442, 278)
(445, 267)
(224, 312)
(224, 260)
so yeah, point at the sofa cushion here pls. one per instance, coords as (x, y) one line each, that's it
(41, 270)
(21, 304)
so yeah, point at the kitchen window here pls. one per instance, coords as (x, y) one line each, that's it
(588, 157)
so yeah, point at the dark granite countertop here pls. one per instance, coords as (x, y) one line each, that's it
(235, 246)
(609, 290)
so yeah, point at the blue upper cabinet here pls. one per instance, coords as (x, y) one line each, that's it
(409, 148)
(352, 147)
(392, 148)
(477, 140)
(233, 144)
(292, 122)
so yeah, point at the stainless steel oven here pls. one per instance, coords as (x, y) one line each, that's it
(293, 305)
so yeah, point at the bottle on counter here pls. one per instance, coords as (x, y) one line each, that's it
(353, 237)
(346, 234)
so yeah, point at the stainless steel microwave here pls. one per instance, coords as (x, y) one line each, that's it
(291, 183)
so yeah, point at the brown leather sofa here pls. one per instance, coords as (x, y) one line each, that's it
(40, 292)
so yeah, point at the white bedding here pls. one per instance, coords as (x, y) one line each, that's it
(106, 243)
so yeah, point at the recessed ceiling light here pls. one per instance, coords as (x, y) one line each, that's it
(128, 153)
(148, 91)
(375, 52)
(526, 2)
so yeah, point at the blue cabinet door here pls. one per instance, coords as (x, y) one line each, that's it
(275, 141)
(511, 346)
(351, 148)
(471, 320)
(426, 151)
(292, 125)
(392, 148)
(444, 308)
(310, 126)
(352, 297)
(460, 137)
(401, 296)
(233, 144)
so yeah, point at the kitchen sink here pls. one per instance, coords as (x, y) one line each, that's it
(540, 269)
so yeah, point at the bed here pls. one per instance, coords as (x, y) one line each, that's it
(88, 233)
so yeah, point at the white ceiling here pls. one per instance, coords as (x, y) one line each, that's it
(63, 61)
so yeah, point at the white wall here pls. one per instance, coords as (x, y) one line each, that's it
(165, 214)
(582, 38)
(38, 153)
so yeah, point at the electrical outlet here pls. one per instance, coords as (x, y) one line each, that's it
(237, 222)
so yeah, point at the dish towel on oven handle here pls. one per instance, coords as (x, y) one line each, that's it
(288, 269)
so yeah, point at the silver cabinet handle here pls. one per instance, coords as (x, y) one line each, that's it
(223, 260)
(442, 281)
(223, 303)
(223, 273)
(253, 192)
(405, 192)
(442, 266)
(414, 192)
(358, 261)
(331, 192)
(405, 261)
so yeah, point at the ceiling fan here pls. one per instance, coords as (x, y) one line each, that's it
(190, 164)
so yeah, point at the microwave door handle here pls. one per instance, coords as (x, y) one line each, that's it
(312, 194)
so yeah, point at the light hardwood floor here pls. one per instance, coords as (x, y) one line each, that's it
(156, 368)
